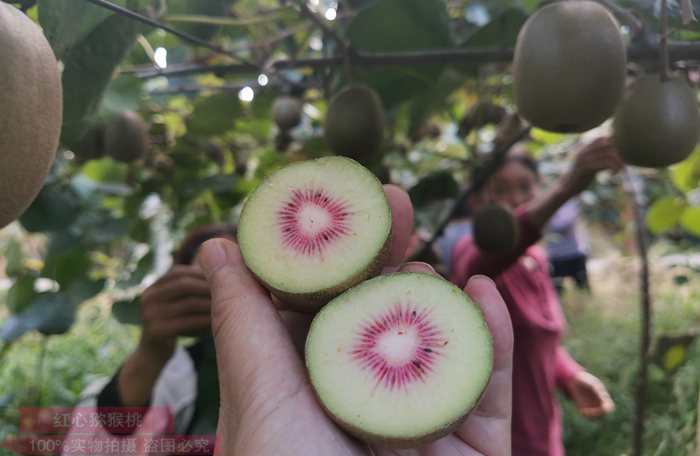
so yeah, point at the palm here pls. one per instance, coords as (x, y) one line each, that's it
(268, 405)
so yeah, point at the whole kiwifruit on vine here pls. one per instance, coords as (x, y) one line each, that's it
(495, 229)
(126, 137)
(657, 123)
(286, 112)
(31, 110)
(92, 144)
(354, 125)
(569, 66)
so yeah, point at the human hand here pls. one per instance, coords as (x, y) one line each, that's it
(177, 304)
(589, 395)
(267, 403)
(590, 159)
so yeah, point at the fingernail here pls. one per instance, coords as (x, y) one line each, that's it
(480, 277)
(212, 256)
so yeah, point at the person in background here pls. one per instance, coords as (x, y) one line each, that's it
(567, 246)
(160, 372)
(458, 228)
(540, 363)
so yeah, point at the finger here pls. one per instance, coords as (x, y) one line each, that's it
(488, 428)
(180, 270)
(184, 285)
(297, 324)
(401, 222)
(418, 266)
(177, 309)
(182, 327)
(258, 366)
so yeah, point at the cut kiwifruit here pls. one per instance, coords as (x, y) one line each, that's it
(400, 360)
(286, 112)
(31, 109)
(354, 124)
(658, 122)
(495, 229)
(126, 137)
(313, 229)
(569, 66)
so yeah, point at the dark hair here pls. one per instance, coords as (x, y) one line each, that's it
(189, 247)
(484, 173)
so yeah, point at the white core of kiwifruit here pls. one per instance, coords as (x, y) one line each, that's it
(352, 393)
(368, 225)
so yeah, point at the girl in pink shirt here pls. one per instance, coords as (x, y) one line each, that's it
(540, 363)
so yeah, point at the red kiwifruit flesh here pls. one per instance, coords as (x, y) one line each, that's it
(400, 360)
(313, 229)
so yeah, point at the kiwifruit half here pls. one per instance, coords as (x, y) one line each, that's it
(495, 229)
(354, 125)
(126, 137)
(31, 109)
(400, 360)
(658, 122)
(286, 112)
(315, 228)
(569, 66)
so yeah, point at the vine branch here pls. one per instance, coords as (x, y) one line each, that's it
(663, 42)
(637, 198)
(640, 51)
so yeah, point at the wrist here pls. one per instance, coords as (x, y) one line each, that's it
(155, 351)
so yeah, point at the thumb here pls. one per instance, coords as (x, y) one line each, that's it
(258, 366)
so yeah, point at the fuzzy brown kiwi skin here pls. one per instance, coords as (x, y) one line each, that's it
(313, 302)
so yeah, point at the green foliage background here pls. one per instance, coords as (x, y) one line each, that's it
(100, 230)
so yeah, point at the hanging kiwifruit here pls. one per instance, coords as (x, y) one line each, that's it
(569, 66)
(495, 229)
(658, 122)
(31, 107)
(286, 112)
(354, 124)
(126, 137)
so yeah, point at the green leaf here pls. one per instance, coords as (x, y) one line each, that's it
(13, 257)
(664, 213)
(67, 267)
(219, 183)
(53, 209)
(127, 312)
(49, 313)
(21, 293)
(123, 94)
(434, 186)
(501, 31)
(83, 289)
(396, 25)
(89, 67)
(107, 229)
(686, 174)
(215, 114)
(58, 19)
(105, 170)
(674, 357)
(690, 220)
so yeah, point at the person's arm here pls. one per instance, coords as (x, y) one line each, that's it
(583, 388)
(178, 304)
(566, 369)
(468, 260)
